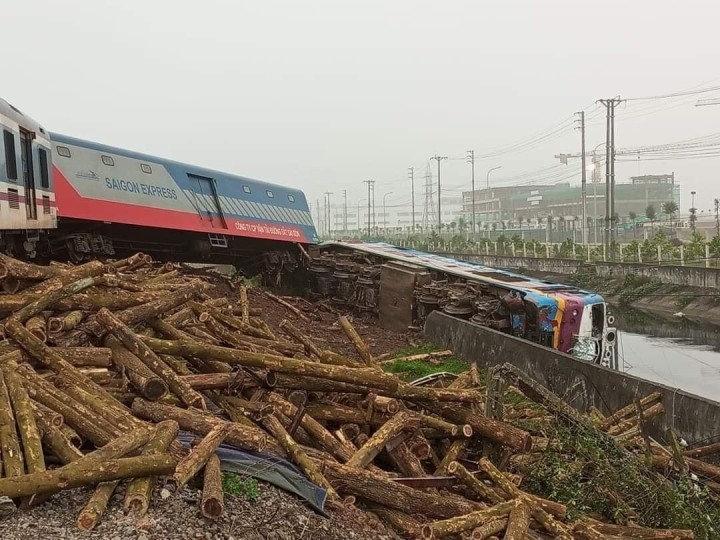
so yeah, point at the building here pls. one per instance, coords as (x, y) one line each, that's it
(533, 202)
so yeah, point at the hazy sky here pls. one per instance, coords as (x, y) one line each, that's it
(325, 94)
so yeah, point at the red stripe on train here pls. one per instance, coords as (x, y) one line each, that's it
(71, 205)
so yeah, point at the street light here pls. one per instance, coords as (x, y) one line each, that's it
(487, 180)
(385, 209)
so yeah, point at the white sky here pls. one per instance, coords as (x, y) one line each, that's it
(325, 94)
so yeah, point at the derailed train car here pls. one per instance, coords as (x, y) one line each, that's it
(63, 195)
(403, 286)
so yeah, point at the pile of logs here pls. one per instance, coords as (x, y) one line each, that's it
(101, 365)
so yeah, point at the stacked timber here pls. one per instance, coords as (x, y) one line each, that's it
(102, 365)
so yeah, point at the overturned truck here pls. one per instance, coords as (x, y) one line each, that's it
(403, 286)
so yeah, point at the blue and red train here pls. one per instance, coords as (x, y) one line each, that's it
(59, 193)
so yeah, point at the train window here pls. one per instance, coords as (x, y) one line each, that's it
(246, 189)
(44, 172)
(10, 159)
(107, 160)
(63, 151)
(146, 168)
(291, 198)
(46, 204)
(270, 194)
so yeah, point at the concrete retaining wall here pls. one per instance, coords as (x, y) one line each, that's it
(677, 275)
(579, 383)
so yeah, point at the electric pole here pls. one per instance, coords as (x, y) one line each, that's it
(411, 174)
(471, 160)
(345, 211)
(327, 210)
(584, 180)
(609, 105)
(439, 159)
(319, 221)
(369, 199)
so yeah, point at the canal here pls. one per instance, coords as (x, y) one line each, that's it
(669, 350)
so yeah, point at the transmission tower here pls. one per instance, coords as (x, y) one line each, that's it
(429, 209)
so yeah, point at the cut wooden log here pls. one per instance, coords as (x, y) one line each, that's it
(651, 412)
(94, 508)
(137, 493)
(489, 529)
(375, 488)
(366, 377)
(418, 357)
(15, 268)
(37, 326)
(471, 520)
(201, 423)
(453, 453)
(623, 531)
(150, 385)
(85, 473)
(493, 430)
(191, 464)
(360, 346)
(66, 322)
(51, 298)
(232, 383)
(518, 522)
(244, 304)
(55, 441)
(24, 414)
(12, 456)
(402, 523)
(629, 410)
(400, 422)
(310, 347)
(299, 314)
(471, 481)
(212, 500)
(136, 346)
(702, 451)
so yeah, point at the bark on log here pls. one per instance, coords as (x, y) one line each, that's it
(406, 462)
(12, 456)
(504, 483)
(85, 473)
(232, 383)
(471, 520)
(418, 357)
(15, 268)
(191, 464)
(701, 451)
(402, 523)
(360, 346)
(296, 454)
(310, 347)
(24, 415)
(489, 529)
(651, 412)
(49, 300)
(201, 423)
(55, 441)
(140, 375)
(364, 377)
(623, 531)
(65, 323)
(136, 346)
(494, 430)
(299, 314)
(375, 488)
(137, 494)
(92, 512)
(400, 422)
(244, 304)
(453, 453)
(36, 325)
(471, 481)
(212, 500)
(333, 412)
(629, 410)
(518, 522)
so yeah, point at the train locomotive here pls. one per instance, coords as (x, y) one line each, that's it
(61, 195)
(403, 286)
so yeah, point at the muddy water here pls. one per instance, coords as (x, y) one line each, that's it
(675, 352)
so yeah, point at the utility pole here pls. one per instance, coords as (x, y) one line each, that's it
(345, 211)
(319, 221)
(584, 180)
(609, 105)
(471, 159)
(717, 217)
(369, 185)
(411, 174)
(439, 159)
(327, 211)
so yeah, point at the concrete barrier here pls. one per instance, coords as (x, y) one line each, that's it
(581, 384)
(678, 275)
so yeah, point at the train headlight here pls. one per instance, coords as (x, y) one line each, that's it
(575, 312)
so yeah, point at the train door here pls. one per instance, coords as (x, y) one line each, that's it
(206, 201)
(26, 139)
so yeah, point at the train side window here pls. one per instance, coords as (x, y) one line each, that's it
(146, 168)
(13, 199)
(246, 189)
(44, 172)
(270, 194)
(291, 198)
(107, 160)
(10, 159)
(63, 151)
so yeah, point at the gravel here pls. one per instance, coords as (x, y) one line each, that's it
(276, 515)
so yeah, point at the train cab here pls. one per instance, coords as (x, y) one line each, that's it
(27, 199)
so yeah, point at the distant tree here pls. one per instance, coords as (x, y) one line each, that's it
(462, 223)
(669, 209)
(693, 218)
(520, 221)
(633, 217)
(651, 214)
(453, 225)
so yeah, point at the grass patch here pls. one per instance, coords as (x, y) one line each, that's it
(241, 486)
(412, 370)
